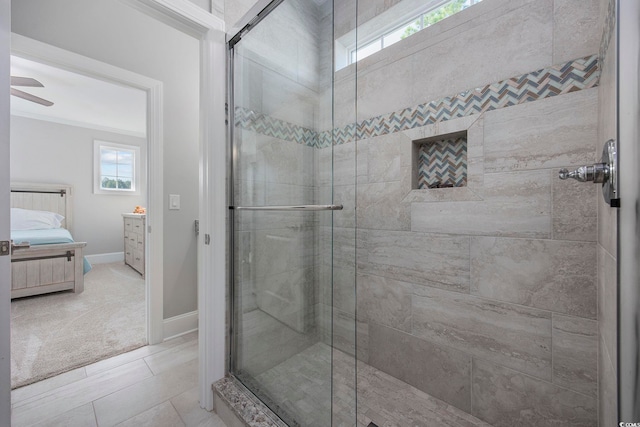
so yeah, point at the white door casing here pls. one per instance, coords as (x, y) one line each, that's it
(185, 16)
(5, 261)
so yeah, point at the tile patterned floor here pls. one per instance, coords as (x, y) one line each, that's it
(154, 386)
(301, 386)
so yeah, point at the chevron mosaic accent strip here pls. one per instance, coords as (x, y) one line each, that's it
(582, 73)
(276, 128)
(443, 163)
(557, 80)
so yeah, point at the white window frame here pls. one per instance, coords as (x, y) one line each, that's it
(97, 173)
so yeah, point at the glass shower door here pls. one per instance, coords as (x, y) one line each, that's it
(282, 216)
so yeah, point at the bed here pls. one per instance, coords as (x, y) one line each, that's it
(45, 260)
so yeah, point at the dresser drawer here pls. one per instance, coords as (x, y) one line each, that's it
(134, 247)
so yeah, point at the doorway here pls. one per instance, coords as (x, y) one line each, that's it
(97, 136)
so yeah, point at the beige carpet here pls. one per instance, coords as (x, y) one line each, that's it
(55, 333)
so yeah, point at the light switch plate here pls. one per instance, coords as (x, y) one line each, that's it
(174, 202)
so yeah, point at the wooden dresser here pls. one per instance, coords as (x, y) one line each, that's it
(134, 236)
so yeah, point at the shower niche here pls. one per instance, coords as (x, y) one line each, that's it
(440, 162)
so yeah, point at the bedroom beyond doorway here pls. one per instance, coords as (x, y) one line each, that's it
(92, 140)
(55, 333)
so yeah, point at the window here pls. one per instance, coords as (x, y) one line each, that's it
(116, 168)
(403, 28)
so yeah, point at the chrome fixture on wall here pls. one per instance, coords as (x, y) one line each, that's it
(605, 173)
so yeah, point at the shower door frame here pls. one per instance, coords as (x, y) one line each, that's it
(628, 37)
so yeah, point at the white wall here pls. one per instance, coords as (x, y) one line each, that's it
(54, 153)
(112, 32)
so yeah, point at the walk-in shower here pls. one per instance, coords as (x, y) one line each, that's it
(402, 249)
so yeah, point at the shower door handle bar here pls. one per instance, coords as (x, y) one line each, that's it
(300, 208)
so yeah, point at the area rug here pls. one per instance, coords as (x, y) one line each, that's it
(58, 332)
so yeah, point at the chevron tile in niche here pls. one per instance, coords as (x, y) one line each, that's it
(442, 163)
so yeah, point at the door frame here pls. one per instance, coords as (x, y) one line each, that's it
(38, 51)
(5, 180)
(212, 251)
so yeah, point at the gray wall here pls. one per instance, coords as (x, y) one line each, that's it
(607, 240)
(114, 33)
(55, 153)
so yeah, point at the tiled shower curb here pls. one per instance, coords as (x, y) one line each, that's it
(245, 407)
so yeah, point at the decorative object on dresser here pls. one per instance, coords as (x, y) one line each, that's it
(134, 241)
(44, 258)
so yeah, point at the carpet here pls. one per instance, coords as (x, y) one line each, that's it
(58, 332)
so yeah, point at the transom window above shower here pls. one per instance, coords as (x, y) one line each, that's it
(393, 25)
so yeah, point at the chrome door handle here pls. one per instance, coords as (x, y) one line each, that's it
(605, 173)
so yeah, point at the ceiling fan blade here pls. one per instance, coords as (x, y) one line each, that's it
(29, 97)
(25, 81)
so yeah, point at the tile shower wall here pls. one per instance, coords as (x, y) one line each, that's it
(484, 296)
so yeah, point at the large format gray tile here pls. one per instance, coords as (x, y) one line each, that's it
(608, 302)
(384, 301)
(516, 204)
(112, 362)
(505, 398)
(73, 395)
(80, 416)
(575, 209)
(387, 155)
(40, 387)
(575, 354)
(386, 89)
(576, 29)
(188, 407)
(439, 371)
(508, 45)
(287, 296)
(162, 415)
(143, 395)
(171, 358)
(552, 275)
(429, 259)
(388, 401)
(380, 205)
(510, 335)
(264, 342)
(553, 132)
(607, 388)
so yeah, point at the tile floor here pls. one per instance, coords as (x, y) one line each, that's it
(152, 386)
(293, 375)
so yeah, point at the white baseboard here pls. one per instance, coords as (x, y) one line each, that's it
(106, 258)
(180, 325)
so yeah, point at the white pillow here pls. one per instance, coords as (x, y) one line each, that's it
(25, 219)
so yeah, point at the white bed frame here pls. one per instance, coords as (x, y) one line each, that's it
(42, 269)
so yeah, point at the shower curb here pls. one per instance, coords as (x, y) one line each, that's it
(237, 406)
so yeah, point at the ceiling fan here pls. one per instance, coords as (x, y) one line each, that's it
(28, 82)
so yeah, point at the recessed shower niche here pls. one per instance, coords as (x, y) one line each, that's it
(440, 162)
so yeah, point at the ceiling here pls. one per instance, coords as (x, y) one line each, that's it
(80, 100)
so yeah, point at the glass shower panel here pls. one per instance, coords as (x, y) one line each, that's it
(283, 273)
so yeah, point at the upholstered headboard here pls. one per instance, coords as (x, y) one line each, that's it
(56, 198)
